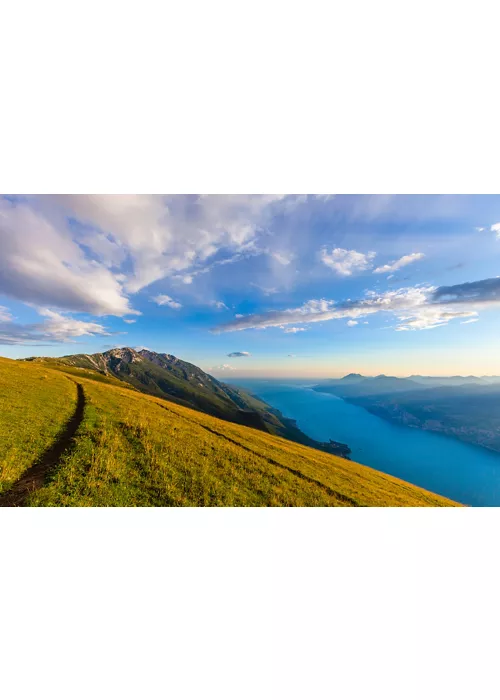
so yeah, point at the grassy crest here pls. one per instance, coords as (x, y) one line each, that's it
(131, 449)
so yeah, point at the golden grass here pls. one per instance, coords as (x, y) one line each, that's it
(35, 403)
(136, 450)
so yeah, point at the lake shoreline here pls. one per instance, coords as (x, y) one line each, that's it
(457, 469)
(380, 413)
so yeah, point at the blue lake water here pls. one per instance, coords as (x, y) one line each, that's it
(465, 473)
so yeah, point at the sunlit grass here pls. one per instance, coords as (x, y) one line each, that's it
(136, 450)
(35, 403)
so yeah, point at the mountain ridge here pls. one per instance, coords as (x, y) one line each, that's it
(166, 376)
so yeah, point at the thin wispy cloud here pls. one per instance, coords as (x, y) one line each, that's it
(238, 354)
(416, 308)
(5, 314)
(398, 264)
(165, 300)
(284, 258)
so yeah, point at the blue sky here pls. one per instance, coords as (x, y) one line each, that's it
(257, 285)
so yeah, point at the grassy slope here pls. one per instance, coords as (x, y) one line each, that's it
(35, 403)
(175, 380)
(136, 450)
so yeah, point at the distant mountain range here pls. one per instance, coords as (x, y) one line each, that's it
(384, 380)
(169, 377)
(467, 408)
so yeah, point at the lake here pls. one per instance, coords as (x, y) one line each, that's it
(465, 473)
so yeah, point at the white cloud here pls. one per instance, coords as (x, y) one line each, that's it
(415, 308)
(41, 264)
(346, 262)
(496, 229)
(239, 354)
(129, 320)
(89, 253)
(222, 368)
(471, 320)
(165, 235)
(62, 327)
(479, 228)
(398, 264)
(428, 317)
(57, 328)
(220, 305)
(294, 329)
(352, 323)
(165, 300)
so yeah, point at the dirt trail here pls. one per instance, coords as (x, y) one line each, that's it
(34, 477)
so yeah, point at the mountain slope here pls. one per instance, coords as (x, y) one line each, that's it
(131, 449)
(166, 376)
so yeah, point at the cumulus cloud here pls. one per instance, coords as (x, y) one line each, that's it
(346, 262)
(496, 229)
(165, 300)
(415, 308)
(352, 323)
(57, 328)
(89, 253)
(239, 354)
(167, 234)
(398, 264)
(41, 264)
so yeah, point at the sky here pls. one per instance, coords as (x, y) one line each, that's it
(257, 285)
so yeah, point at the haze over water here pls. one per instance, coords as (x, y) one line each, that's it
(463, 472)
